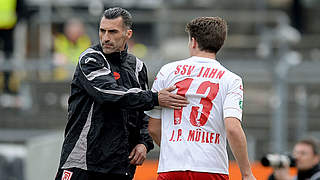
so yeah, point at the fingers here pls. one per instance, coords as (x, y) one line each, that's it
(173, 103)
(133, 156)
(178, 97)
(172, 88)
(132, 153)
(134, 159)
(175, 96)
(138, 159)
(170, 100)
(176, 105)
(138, 155)
(176, 102)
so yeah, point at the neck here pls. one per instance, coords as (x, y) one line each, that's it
(124, 47)
(204, 54)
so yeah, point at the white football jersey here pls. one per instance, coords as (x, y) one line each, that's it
(194, 137)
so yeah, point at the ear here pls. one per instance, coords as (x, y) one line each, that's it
(129, 33)
(194, 43)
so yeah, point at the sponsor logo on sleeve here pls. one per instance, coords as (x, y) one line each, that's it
(241, 104)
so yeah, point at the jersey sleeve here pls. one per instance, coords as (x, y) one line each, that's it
(234, 100)
(158, 84)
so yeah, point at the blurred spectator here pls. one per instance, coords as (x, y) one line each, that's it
(10, 12)
(138, 49)
(307, 156)
(67, 48)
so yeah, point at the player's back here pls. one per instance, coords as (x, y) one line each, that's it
(194, 138)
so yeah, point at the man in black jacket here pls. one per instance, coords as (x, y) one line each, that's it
(106, 135)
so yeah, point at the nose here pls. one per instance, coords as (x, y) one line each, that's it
(106, 37)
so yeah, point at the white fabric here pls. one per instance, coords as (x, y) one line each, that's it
(191, 144)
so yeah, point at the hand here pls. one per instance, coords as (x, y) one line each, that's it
(170, 100)
(282, 173)
(138, 154)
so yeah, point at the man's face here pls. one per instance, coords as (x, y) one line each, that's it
(305, 157)
(113, 35)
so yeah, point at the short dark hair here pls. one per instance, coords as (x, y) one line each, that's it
(209, 32)
(115, 12)
(314, 143)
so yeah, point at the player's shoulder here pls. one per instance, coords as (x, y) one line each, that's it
(93, 54)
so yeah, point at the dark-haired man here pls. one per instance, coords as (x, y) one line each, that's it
(193, 139)
(306, 153)
(106, 135)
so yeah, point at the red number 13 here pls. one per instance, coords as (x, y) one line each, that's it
(206, 102)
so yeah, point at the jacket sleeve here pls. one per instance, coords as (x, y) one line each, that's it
(144, 138)
(96, 78)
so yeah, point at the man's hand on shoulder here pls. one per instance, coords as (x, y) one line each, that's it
(170, 100)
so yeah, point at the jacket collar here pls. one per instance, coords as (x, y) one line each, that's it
(117, 57)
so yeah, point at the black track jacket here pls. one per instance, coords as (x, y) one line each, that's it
(105, 112)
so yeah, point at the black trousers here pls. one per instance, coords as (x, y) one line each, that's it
(6, 39)
(80, 174)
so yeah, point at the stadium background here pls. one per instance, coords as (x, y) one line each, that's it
(273, 44)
